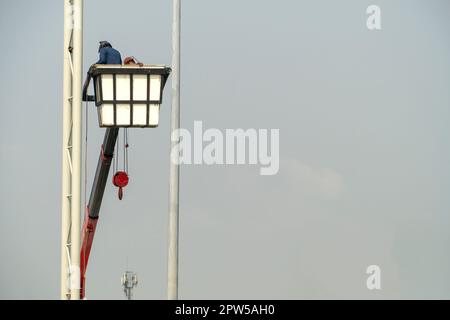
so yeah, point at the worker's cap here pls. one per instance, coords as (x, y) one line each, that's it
(104, 44)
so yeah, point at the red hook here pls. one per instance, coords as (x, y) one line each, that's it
(120, 180)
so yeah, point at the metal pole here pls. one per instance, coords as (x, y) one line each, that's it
(172, 279)
(76, 147)
(66, 181)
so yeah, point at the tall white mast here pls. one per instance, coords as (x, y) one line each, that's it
(66, 152)
(71, 153)
(172, 279)
(76, 147)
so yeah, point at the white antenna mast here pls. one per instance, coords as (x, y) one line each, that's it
(129, 281)
(71, 150)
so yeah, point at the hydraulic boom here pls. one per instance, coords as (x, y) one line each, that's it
(95, 201)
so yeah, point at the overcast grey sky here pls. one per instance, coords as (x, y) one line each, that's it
(364, 150)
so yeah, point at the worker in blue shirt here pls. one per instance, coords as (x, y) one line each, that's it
(108, 55)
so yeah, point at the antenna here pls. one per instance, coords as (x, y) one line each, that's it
(129, 281)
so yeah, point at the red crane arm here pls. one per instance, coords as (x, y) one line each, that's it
(95, 201)
(87, 235)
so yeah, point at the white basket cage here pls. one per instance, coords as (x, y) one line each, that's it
(128, 96)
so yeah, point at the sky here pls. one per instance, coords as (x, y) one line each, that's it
(364, 178)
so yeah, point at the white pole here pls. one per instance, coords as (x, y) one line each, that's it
(66, 184)
(172, 279)
(76, 148)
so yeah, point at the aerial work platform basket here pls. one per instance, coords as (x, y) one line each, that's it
(127, 96)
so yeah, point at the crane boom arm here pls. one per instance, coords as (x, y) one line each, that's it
(95, 200)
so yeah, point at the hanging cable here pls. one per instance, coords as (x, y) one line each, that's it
(83, 258)
(117, 153)
(120, 178)
(114, 158)
(126, 145)
(86, 153)
(124, 148)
